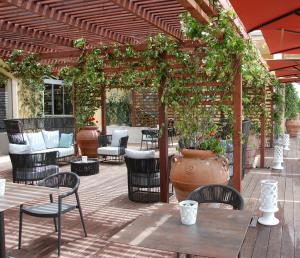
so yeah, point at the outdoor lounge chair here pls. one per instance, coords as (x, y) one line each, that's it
(149, 136)
(113, 145)
(218, 194)
(33, 167)
(55, 209)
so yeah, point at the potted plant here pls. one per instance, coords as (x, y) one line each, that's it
(201, 161)
(292, 110)
(87, 138)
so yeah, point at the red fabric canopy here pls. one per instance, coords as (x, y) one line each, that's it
(281, 41)
(268, 14)
(287, 70)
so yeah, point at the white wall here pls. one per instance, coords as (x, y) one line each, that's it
(3, 144)
(134, 133)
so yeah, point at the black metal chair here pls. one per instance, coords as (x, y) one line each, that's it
(33, 167)
(105, 149)
(218, 194)
(55, 209)
(149, 136)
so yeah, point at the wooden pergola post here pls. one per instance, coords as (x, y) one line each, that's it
(163, 145)
(103, 111)
(133, 110)
(237, 126)
(262, 141)
(272, 122)
(263, 133)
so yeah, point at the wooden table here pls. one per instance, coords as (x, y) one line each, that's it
(16, 194)
(217, 233)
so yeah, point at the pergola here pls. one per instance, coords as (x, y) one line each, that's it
(49, 27)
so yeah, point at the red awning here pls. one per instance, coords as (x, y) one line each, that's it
(268, 14)
(282, 41)
(287, 70)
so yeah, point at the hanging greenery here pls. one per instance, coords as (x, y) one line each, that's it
(32, 74)
(278, 104)
(3, 80)
(118, 109)
(292, 101)
(86, 81)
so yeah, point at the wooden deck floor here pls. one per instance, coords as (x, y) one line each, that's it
(107, 210)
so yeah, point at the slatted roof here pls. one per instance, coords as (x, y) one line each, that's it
(47, 26)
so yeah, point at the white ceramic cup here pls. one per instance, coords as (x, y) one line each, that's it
(188, 212)
(2, 187)
(84, 158)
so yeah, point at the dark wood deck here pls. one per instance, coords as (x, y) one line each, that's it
(107, 210)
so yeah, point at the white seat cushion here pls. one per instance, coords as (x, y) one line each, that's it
(19, 148)
(62, 152)
(109, 151)
(51, 138)
(136, 154)
(116, 136)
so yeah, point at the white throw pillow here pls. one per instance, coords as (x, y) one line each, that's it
(116, 136)
(51, 139)
(136, 154)
(36, 141)
(19, 148)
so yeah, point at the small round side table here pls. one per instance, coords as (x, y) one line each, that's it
(91, 167)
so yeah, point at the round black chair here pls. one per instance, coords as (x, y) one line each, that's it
(218, 194)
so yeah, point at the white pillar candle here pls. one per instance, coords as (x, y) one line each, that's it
(188, 212)
(84, 159)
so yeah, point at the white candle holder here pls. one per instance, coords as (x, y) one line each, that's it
(286, 141)
(188, 212)
(84, 159)
(278, 157)
(2, 187)
(268, 202)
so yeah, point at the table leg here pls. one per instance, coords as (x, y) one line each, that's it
(2, 236)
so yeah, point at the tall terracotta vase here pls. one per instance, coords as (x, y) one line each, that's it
(196, 168)
(87, 140)
(292, 127)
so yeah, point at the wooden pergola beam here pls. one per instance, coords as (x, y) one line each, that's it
(142, 13)
(193, 7)
(36, 34)
(187, 44)
(43, 10)
(13, 44)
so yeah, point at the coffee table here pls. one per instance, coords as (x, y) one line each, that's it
(217, 232)
(16, 194)
(91, 167)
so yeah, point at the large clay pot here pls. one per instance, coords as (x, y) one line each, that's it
(87, 140)
(196, 168)
(292, 126)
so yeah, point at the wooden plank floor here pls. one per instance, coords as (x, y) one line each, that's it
(107, 210)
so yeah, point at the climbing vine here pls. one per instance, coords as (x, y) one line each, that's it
(32, 74)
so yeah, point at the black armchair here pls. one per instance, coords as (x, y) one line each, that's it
(143, 179)
(55, 209)
(113, 145)
(33, 167)
(218, 194)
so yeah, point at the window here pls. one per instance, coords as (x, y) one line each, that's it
(57, 100)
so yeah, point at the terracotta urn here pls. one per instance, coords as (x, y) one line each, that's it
(292, 127)
(196, 168)
(87, 140)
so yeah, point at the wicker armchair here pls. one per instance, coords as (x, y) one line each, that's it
(218, 194)
(144, 179)
(33, 167)
(56, 209)
(112, 148)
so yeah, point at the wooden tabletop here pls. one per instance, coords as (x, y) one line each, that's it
(217, 232)
(16, 194)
